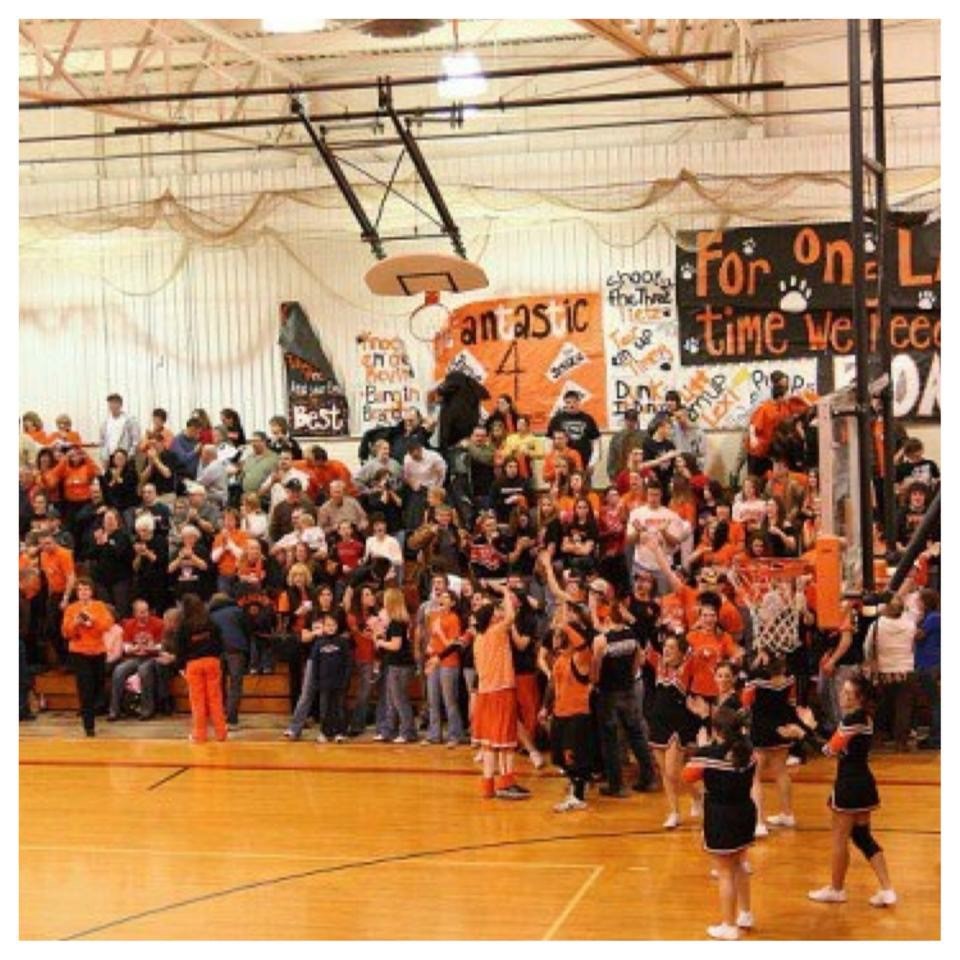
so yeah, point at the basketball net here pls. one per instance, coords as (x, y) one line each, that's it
(430, 319)
(773, 591)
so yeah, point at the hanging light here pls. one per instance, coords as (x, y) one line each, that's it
(292, 24)
(463, 76)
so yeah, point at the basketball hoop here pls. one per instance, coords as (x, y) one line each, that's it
(430, 319)
(431, 274)
(774, 593)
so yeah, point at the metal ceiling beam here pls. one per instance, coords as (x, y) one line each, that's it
(615, 33)
(214, 32)
(411, 81)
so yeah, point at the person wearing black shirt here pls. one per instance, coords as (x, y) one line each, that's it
(659, 453)
(579, 426)
(508, 490)
(909, 518)
(118, 483)
(112, 556)
(781, 536)
(198, 649)
(396, 647)
(383, 499)
(522, 541)
(615, 648)
(914, 467)
(489, 551)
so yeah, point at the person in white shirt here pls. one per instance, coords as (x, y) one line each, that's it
(275, 484)
(119, 431)
(653, 519)
(213, 475)
(381, 544)
(423, 468)
(305, 530)
(749, 508)
(888, 652)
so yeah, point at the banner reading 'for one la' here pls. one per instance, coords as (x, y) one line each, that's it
(532, 348)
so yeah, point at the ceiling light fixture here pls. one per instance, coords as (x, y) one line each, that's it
(292, 24)
(463, 76)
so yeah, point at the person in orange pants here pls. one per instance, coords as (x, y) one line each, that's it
(199, 646)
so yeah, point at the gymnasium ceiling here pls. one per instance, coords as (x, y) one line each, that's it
(81, 59)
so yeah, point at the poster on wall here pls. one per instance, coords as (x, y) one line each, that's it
(533, 348)
(315, 400)
(386, 381)
(782, 293)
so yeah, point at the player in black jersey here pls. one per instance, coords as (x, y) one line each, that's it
(854, 796)
(726, 768)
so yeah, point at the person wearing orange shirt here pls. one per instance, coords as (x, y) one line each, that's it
(442, 667)
(561, 451)
(571, 735)
(33, 428)
(64, 436)
(322, 471)
(76, 472)
(84, 623)
(495, 712)
(56, 562)
(764, 420)
(228, 548)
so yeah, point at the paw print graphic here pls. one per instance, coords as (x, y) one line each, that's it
(926, 299)
(869, 242)
(749, 247)
(795, 295)
(687, 271)
(691, 345)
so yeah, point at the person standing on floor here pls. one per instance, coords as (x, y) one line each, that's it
(234, 626)
(199, 647)
(854, 796)
(397, 647)
(85, 621)
(726, 769)
(494, 722)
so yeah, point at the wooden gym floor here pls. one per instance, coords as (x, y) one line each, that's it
(137, 835)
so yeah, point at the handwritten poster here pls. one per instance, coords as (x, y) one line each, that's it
(386, 379)
(532, 348)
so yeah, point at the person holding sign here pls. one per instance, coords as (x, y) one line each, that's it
(764, 420)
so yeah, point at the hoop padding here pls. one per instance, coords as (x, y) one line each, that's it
(773, 591)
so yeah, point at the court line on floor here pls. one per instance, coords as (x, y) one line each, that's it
(346, 768)
(168, 778)
(656, 832)
(257, 855)
(572, 903)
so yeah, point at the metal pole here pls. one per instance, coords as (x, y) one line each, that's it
(883, 285)
(343, 85)
(420, 163)
(500, 106)
(861, 328)
(368, 231)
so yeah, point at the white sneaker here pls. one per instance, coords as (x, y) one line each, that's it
(672, 821)
(290, 735)
(321, 738)
(723, 931)
(746, 866)
(745, 920)
(793, 761)
(828, 895)
(339, 738)
(568, 803)
(696, 810)
(883, 898)
(379, 738)
(761, 830)
(536, 758)
(478, 757)
(782, 820)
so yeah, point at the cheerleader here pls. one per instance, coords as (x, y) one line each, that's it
(772, 704)
(854, 796)
(673, 728)
(726, 768)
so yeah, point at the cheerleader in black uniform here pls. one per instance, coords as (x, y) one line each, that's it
(726, 767)
(673, 728)
(854, 796)
(772, 703)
